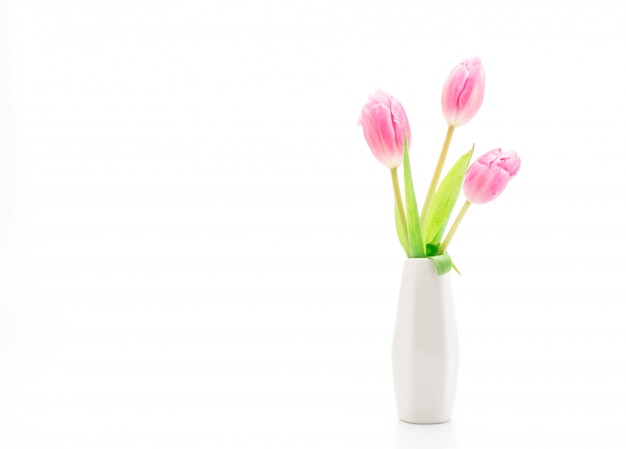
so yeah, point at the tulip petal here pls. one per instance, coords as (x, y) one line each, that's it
(463, 92)
(385, 125)
(471, 97)
(510, 162)
(476, 185)
(450, 96)
(489, 175)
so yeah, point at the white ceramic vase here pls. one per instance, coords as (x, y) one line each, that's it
(425, 350)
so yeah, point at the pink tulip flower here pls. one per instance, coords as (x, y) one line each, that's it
(487, 177)
(463, 92)
(385, 126)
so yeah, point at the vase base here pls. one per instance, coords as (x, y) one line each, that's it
(425, 422)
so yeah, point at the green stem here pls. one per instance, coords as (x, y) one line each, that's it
(455, 225)
(437, 174)
(399, 203)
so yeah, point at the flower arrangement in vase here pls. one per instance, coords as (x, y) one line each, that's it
(425, 344)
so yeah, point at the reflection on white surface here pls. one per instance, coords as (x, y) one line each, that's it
(433, 436)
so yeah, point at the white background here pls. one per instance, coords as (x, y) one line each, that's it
(197, 247)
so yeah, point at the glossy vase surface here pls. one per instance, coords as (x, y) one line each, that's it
(425, 350)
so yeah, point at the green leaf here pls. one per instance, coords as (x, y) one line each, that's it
(445, 199)
(443, 263)
(401, 234)
(432, 249)
(416, 241)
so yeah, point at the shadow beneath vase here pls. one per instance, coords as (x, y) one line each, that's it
(431, 436)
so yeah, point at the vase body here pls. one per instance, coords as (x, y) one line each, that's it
(425, 354)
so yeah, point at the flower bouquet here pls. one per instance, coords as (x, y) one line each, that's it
(425, 348)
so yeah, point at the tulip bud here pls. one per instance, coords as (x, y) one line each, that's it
(463, 92)
(385, 127)
(487, 177)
